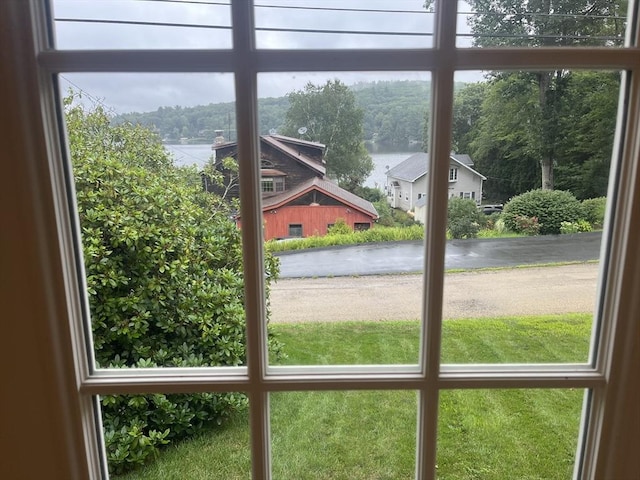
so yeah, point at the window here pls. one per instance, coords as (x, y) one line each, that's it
(295, 230)
(266, 184)
(359, 227)
(45, 262)
(453, 174)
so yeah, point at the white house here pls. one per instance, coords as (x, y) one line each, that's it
(407, 182)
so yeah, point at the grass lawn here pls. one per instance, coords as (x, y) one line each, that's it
(496, 434)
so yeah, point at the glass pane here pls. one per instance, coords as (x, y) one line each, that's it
(200, 435)
(162, 256)
(347, 149)
(344, 435)
(336, 24)
(142, 24)
(504, 23)
(514, 132)
(497, 434)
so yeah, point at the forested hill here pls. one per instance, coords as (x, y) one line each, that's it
(393, 114)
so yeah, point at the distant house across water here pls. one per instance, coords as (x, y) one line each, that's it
(406, 184)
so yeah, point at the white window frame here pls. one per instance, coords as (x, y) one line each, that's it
(453, 174)
(49, 332)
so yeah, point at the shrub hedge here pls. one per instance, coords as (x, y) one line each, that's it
(549, 207)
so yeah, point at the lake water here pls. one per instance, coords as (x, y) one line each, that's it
(199, 155)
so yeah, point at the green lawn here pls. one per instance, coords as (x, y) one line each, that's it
(524, 434)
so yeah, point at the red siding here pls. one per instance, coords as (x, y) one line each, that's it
(314, 220)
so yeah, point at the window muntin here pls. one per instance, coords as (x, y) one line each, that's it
(114, 24)
(140, 317)
(561, 24)
(493, 433)
(329, 446)
(491, 110)
(453, 174)
(342, 25)
(426, 461)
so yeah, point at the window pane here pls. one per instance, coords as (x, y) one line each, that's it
(200, 435)
(350, 146)
(351, 434)
(336, 24)
(131, 24)
(491, 434)
(162, 256)
(578, 23)
(510, 139)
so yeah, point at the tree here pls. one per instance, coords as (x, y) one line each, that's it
(164, 277)
(328, 114)
(546, 23)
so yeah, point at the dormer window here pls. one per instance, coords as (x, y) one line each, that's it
(272, 184)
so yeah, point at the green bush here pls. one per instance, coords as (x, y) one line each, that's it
(575, 227)
(526, 225)
(549, 207)
(463, 218)
(340, 227)
(164, 276)
(594, 210)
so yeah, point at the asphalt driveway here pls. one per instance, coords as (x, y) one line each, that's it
(408, 257)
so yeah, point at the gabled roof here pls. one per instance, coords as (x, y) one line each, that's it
(463, 158)
(412, 168)
(287, 145)
(326, 187)
(417, 165)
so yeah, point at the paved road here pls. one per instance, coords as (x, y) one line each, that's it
(408, 257)
(471, 294)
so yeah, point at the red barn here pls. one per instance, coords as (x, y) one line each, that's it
(297, 199)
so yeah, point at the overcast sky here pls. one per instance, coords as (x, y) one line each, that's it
(146, 92)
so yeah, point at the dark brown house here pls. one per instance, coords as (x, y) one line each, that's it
(297, 198)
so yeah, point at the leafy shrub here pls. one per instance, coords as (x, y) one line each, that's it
(594, 210)
(550, 207)
(575, 227)
(463, 218)
(164, 276)
(526, 225)
(340, 227)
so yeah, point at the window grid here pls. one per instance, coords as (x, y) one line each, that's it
(256, 378)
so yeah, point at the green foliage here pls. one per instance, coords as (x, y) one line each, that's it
(164, 276)
(463, 218)
(376, 234)
(340, 227)
(550, 207)
(331, 116)
(575, 227)
(594, 210)
(526, 225)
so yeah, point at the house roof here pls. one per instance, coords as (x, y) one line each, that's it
(326, 187)
(287, 145)
(463, 158)
(417, 165)
(412, 168)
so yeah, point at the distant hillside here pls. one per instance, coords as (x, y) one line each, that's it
(393, 115)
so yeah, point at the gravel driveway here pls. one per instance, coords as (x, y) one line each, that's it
(476, 294)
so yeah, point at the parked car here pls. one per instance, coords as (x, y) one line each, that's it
(489, 209)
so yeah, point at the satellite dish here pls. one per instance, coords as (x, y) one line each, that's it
(302, 130)
(272, 131)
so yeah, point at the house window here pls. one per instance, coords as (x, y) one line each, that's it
(438, 385)
(361, 226)
(295, 230)
(453, 174)
(267, 184)
(272, 184)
